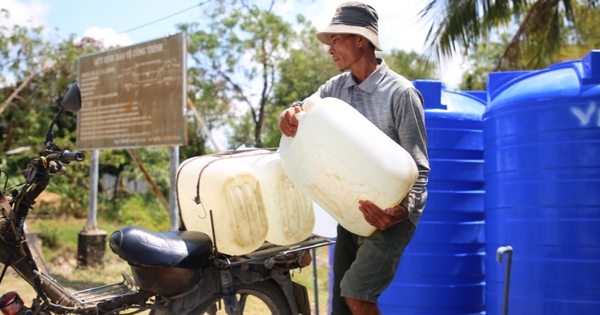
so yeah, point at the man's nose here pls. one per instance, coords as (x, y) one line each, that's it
(331, 50)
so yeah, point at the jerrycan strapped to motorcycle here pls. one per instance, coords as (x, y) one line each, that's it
(251, 198)
(338, 157)
(289, 211)
(230, 188)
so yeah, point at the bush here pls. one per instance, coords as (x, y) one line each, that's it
(49, 236)
(138, 209)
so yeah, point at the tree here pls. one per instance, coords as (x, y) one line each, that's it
(36, 74)
(483, 61)
(236, 57)
(578, 40)
(458, 25)
(305, 69)
(583, 35)
(411, 65)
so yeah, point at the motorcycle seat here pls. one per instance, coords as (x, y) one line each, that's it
(178, 249)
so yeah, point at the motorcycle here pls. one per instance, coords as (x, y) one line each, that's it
(173, 272)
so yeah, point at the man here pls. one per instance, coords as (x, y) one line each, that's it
(365, 266)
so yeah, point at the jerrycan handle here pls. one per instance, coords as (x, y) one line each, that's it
(310, 102)
(299, 116)
(307, 105)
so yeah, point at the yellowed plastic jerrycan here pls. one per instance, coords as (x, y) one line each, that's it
(289, 211)
(231, 189)
(338, 157)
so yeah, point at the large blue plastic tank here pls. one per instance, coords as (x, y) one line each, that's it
(542, 177)
(442, 269)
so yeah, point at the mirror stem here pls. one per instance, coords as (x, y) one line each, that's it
(50, 134)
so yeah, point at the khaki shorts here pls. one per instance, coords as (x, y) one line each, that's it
(369, 262)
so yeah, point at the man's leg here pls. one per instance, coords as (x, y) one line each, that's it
(360, 307)
(343, 257)
(374, 267)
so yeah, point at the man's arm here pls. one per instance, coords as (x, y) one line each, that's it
(410, 124)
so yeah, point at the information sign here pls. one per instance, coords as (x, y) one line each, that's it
(133, 96)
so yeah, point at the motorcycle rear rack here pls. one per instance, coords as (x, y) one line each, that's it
(270, 252)
(93, 296)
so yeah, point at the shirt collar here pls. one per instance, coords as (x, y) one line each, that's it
(372, 81)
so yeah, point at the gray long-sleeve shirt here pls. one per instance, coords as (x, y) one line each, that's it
(396, 107)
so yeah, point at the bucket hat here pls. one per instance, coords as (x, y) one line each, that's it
(353, 18)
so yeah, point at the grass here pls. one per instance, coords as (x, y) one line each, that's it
(60, 258)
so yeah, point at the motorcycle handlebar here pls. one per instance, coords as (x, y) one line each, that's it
(67, 156)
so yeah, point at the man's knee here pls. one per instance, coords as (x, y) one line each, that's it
(362, 307)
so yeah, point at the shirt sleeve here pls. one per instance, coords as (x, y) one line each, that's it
(410, 123)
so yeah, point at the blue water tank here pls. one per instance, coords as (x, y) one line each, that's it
(442, 269)
(542, 181)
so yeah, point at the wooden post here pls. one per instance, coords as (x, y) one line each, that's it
(91, 249)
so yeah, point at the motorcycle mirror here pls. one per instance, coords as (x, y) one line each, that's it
(72, 100)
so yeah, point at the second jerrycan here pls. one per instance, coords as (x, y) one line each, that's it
(338, 157)
(289, 211)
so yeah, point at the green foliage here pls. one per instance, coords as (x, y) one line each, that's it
(537, 28)
(196, 142)
(136, 210)
(582, 36)
(156, 161)
(307, 67)
(578, 40)
(73, 189)
(235, 58)
(50, 236)
(483, 61)
(43, 72)
(410, 65)
(61, 232)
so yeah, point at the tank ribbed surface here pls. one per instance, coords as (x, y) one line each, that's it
(542, 177)
(442, 269)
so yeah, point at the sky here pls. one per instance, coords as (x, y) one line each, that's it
(129, 22)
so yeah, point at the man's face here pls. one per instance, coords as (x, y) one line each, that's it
(344, 50)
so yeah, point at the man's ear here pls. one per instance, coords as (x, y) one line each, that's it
(362, 41)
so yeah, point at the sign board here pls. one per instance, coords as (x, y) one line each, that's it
(133, 96)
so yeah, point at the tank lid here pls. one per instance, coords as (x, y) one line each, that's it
(497, 80)
(588, 68)
(432, 93)
(591, 67)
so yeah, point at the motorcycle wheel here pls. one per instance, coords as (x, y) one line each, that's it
(259, 298)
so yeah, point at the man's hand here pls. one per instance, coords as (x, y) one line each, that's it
(379, 218)
(289, 123)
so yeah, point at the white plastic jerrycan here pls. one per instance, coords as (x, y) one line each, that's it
(289, 211)
(325, 224)
(230, 188)
(338, 157)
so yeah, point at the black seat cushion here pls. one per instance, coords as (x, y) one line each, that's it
(180, 249)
